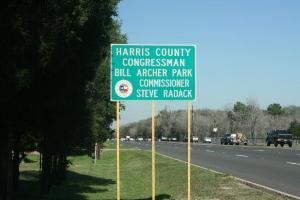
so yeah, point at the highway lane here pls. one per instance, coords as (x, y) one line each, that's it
(278, 168)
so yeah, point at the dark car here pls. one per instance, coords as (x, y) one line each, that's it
(279, 137)
(227, 139)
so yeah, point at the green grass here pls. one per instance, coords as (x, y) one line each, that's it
(112, 145)
(86, 180)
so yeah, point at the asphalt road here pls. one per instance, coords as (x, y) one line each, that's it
(277, 168)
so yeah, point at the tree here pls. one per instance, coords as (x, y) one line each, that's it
(98, 93)
(239, 116)
(275, 109)
(294, 128)
(164, 123)
(75, 41)
(232, 119)
(244, 117)
(254, 116)
(15, 88)
(50, 52)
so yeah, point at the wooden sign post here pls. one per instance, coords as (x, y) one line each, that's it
(153, 150)
(189, 150)
(118, 150)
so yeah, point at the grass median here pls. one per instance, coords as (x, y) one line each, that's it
(86, 180)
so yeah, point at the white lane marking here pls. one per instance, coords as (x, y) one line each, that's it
(210, 151)
(244, 156)
(292, 163)
(259, 150)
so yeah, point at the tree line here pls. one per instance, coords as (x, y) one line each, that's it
(245, 117)
(54, 83)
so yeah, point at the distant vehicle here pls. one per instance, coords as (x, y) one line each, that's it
(149, 139)
(123, 139)
(207, 140)
(140, 139)
(195, 139)
(174, 139)
(279, 137)
(163, 138)
(227, 139)
(239, 138)
(127, 138)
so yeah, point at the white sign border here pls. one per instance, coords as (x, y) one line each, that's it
(176, 100)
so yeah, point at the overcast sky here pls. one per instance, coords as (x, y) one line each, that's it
(245, 49)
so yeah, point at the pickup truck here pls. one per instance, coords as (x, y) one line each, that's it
(279, 137)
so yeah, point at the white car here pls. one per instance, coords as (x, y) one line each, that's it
(140, 139)
(207, 140)
(195, 139)
(164, 138)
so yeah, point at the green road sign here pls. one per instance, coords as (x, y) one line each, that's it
(153, 72)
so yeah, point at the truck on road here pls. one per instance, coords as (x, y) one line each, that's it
(234, 138)
(279, 137)
(240, 138)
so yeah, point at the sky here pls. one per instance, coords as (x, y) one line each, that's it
(245, 49)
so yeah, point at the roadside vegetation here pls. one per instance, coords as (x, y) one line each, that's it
(54, 84)
(247, 118)
(86, 180)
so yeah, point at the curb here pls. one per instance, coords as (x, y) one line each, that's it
(268, 189)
